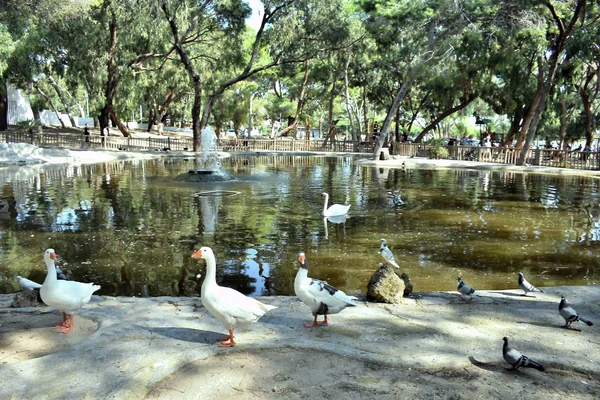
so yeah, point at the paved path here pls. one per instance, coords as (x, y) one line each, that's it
(125, 347)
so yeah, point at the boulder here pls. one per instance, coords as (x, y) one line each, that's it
(408, 286)
(25, 299)
(385, 286)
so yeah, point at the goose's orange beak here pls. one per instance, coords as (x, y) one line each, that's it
(197, 254)
(52, 256)
(301, 259)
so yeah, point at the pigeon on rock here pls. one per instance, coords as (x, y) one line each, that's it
(569, 314)
(386, 253)
(464, 289)
(526, 286)
(27, 284)
(516, 359)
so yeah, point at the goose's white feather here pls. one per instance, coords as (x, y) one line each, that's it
(66, 296)
(321, 297)
(227, 305)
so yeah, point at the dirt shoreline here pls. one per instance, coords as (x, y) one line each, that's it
(431, 346)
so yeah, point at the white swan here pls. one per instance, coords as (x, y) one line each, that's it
(335, 209)
(227, 305)
(321, 297)
(66, 296)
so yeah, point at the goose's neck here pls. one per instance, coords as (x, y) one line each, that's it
(326, 202)
(302, 271)
(51, 275)
(211, 273)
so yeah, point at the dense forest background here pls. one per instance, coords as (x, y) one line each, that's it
(418, 68)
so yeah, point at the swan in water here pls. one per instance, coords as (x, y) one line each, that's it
(335, 209)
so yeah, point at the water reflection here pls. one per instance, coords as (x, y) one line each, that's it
(131, 227)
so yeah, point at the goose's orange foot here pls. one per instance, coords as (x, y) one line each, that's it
(228, 343)
(66, 329)
(223, 339)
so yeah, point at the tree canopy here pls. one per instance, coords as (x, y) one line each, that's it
(419, 68)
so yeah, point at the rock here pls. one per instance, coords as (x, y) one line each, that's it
(408, 286)
(385, 286)
(25, 299)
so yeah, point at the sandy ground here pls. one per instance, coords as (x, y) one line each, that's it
(431, 346)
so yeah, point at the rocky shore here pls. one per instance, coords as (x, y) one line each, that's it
(432, 345)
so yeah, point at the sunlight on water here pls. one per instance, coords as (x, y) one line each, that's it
(132, 227)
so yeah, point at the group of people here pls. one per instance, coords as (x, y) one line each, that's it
(104, 133)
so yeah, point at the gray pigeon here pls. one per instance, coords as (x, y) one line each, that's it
(569, 314)
(526, 286)
(386, 253)
(464, 289)
(516, 359)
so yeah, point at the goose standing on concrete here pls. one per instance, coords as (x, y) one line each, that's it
(66, 296)
(334, 209)
(465, 290)
(526, 286)
(387, 254)
(321, 297)
(569, 314)
(516, 359)
(227, 305)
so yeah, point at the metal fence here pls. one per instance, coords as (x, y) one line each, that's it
(585, 160)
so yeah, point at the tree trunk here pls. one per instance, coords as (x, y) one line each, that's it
(111, 81)
(425, 58)
(515, 124)
(49, 100)
(543, 92)
(3, 104)
(62, 99)
(330, 124)
(587, 102)
(348, 107)
(443, 115)
(299, 106)
(365, 116)
(116, 121)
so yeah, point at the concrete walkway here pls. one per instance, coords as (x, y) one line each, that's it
(430, 346)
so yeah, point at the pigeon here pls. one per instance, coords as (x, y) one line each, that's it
(386, 253)
(464, 289)
(526, 286)
(569, 314)
(27, 284)
(516, 359)
(59, 274)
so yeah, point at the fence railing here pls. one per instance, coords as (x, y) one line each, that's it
(586, 160)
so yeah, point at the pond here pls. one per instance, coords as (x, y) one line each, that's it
(132, 226)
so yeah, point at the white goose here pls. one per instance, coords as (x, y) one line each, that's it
(335, 209)
(66, 296)
(227, 305)
(321, 297)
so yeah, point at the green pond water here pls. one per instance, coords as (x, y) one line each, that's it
(132, 226)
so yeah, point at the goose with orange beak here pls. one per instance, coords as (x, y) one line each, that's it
(66, 296)
(321, 297)
(227, 305)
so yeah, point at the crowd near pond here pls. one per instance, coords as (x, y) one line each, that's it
(132, 226)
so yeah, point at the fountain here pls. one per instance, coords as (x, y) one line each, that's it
(209, 160)
(208, 163)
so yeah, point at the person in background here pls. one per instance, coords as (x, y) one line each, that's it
(104, 133)
(86, 133)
